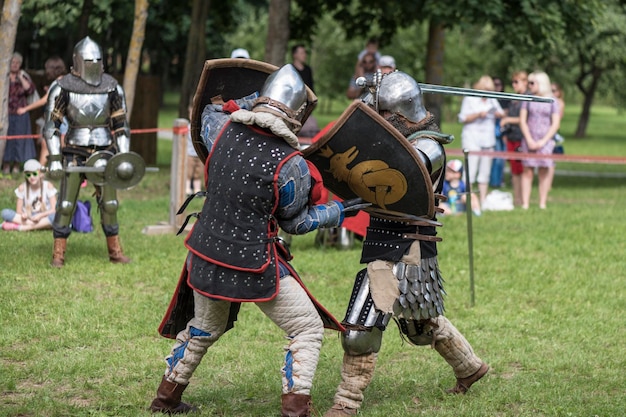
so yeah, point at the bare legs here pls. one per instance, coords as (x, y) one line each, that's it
(545, 175)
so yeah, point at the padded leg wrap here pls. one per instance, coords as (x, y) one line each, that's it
(293, 311)
(454, 348)
(356, 375)
(192, 343)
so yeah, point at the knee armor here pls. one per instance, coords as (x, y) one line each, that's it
(66, 207)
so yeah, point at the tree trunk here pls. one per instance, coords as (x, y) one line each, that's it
(277, 32)
(134, 54)
(434, 67)
(194, 55)
(8, 27)
(588, 93)
(83, 21)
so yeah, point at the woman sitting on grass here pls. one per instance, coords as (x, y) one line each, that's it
(36, 202)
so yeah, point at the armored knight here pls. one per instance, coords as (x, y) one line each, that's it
(257, 182)
(402, 278)
(95, 108)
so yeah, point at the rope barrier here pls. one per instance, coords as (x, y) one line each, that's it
(175, 130)
(585, 159)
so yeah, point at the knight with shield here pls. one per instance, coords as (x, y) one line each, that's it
(387, 149)
(98, 137)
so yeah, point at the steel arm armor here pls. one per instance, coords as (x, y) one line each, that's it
(53, 118)
(119, 121)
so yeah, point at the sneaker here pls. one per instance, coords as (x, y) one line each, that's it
(10, 226)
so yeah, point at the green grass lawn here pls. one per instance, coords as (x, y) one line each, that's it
(548, 313)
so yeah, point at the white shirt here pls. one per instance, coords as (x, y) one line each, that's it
(480, 133)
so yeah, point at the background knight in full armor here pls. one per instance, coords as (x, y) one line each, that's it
(95, 108)
(402, 278)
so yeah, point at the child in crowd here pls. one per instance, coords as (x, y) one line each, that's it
(36, 202)
(454, 188)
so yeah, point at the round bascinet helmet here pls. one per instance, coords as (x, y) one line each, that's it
(87, 60)
(399, 93)
(283, 91)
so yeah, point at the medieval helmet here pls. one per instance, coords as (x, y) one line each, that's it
(399, 93)
(284, 94)
(88, 61)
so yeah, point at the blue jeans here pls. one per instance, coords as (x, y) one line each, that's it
(497, 166)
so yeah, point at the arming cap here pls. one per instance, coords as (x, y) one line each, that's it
(283, 91)
(399, 93)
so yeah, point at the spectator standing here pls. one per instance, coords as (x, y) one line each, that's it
(557, 91)
(194, 168)
(21, 86)
(478, 115)
(512, 134)
(539, 123)
(298, 58)
(496, 180)
(54, 69)
(36, 201)
(366, 68)
(371, 47)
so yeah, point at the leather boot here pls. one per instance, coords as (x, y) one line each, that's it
(295, 405)
(58, 252)
(464, 384)
(115, 250)
(456, 350)
(168, 398)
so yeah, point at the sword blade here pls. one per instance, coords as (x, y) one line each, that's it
(459, 91)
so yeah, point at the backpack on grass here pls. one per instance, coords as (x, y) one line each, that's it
(81, 221)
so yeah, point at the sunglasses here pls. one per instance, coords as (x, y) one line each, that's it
(31, 174)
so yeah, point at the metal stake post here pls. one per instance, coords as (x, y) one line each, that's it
(468, 212)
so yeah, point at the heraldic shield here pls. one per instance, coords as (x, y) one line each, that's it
(362, 155)
(230, 79)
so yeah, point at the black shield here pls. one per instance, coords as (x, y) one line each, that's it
(362, 155)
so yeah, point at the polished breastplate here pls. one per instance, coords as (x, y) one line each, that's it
(89, 117)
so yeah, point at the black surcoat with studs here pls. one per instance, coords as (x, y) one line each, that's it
(235, 255)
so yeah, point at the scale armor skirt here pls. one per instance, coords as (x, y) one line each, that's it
(421, 290)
